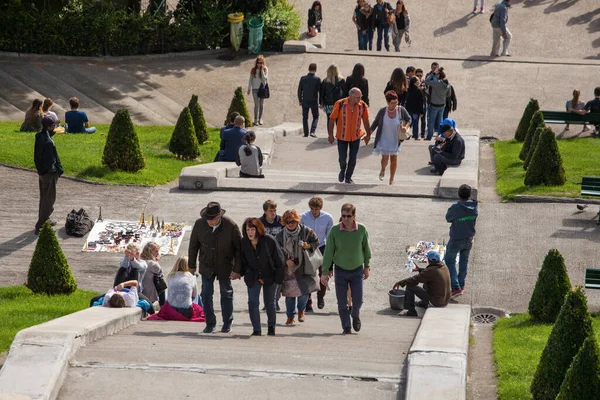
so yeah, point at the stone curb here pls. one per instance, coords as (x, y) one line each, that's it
(524, 198)
(437, 359)
(39, 356)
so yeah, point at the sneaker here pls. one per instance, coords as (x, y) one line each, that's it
(456, 293)
(271, 331)
(356, 324)
(256, 333)
(226, 329)
(347, 331)
(341, 176)
(312, 134)
(255, 123)
(260, 122)
(309, 308)
(434, 171)
(320, 303)
(349, 181)
(481, 10)
(475, 10)
(52, 222)
(209, 329)
(290, 321)
(277, 308)
(408, 313)
(301, 316)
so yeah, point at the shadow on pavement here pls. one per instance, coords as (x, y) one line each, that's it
(17, 243)
(557, 7)
(454, 25)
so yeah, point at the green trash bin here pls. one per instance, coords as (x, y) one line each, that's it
(255, 34)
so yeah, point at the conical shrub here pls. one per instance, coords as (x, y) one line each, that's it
(583, 377)
(546, 166)
(521, 131)
(572, 327)
(534, 141)
(536, 121)
(552, 286)
(183, 142)
(238, 103)
(122, 149)
(49, 271)
(198, 120)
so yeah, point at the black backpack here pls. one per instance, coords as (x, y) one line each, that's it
(338, 90)
(78, 223)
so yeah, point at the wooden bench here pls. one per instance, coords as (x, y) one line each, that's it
(592, 278)
(565, 117)
(590, 186)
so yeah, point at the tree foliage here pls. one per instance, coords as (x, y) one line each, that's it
(122, 150)
(551, 288)
(546, 166)
(583, 380)
(238, 103)
(521, 131)
(183, 142)
(198, 120)
(529, 145)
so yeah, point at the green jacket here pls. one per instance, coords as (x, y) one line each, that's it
(347, 249)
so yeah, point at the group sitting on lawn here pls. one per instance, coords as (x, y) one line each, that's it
(76, 121)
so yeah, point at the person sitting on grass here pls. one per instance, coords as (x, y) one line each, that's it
(436, 285)
(77, 121)
(46, 109)
(250, 158)
(182, 289)
(33, 117)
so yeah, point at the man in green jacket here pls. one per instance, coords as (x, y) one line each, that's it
(348, 248)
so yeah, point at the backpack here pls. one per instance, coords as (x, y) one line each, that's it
(491, 17)
(78, 223)
(338, 90)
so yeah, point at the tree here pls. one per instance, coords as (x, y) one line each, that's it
(521, 131)
(534, 141)
(546, 166)
(552, 286)
(49, 271)
(536, 121)
(183, 142)
(238, 103)
(198, 120)
(583, 380)
(122, 149)
(572, 327)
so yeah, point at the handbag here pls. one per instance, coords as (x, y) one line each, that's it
(263, 91)
(312, 261)
(391, 19)
(402, 135)
(159, 283)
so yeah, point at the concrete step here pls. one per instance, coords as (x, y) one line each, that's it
(17, 93)
(9, 112)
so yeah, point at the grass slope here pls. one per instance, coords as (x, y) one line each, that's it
(518, 344)
(580, 157)
(81, 155)
(20, 308)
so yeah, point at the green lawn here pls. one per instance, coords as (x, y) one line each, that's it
(518, 345)
(81, 155)
(21, 308)
(580, 157)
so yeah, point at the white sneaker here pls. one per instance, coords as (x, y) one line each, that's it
(260, 122)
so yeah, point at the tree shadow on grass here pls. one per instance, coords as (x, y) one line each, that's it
(93, 172)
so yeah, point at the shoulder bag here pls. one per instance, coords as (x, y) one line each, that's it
(312, 261)
(263, 91)
(159, 283)
(402, 135)
(391, 19)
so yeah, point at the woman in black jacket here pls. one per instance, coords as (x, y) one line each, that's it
(414, 106)
(399, 85)
(263, 263)
(358, 80)
(333, 88)
(315, 18)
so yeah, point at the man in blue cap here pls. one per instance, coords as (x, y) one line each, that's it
(451, 151)
(436, 285)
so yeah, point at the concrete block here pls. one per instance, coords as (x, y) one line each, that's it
(204, 176)
(317, 41)
(288, 129)
(265, 138)
(297, 46)
(465, 173)
(444, 329)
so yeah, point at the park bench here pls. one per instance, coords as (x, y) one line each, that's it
(592, 278)
(590, 186)
(564, 117)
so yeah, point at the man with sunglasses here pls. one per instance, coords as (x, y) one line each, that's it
(348, 248)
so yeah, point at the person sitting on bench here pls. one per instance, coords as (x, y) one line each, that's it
(592, 106)
(77, 121)
(452, 150)
(574, 105)
(436, 285)
(232, 140)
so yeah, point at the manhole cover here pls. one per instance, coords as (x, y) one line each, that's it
(485, 318)
(487, 315)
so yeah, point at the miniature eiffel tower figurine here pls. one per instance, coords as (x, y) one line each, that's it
(162, 227)
(171, 250)
(100, 216)
(152, 226)
(149, 219)
(142, 224)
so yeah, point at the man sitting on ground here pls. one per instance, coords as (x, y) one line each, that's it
(452, 150)
(436, 285)
(231, 140)
(592, 106)
(77, 121)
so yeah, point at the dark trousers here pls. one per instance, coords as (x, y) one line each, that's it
(269, 290)
(409, 297)
(47, 183)
(343, 278)
(383, 32)
(314, 109)
(208, 289)
(441, 162)
(423, 121)
(415, 125)
(347, 164)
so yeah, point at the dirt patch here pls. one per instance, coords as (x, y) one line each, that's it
(487, 173)
(481, 381)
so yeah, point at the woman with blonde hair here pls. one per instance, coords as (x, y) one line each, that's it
(333, 88)
(575, 104)
(299, 282)
(33, 117)
(151, 254)
(258, 77)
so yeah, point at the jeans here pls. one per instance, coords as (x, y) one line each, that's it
(434, 119)
(441, 162)
(369, 39)
(463, 248)
(314, 109)
(47, 185)
(254, 301)
(397, 37)
(409, 296)
(347, 167)
(290, 304)
(208, 289)
(383, 32)
(362, 40)
(415, 125)
(480, 2)
(343, 278)
(497, 35)
(258, 105)
(423, 120)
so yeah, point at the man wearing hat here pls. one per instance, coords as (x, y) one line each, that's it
(49, 169)
(451, 151)
(215, 245)
(436, 285)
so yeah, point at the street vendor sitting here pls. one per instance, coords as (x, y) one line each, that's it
(436, 285)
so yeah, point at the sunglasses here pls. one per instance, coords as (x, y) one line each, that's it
(347, 216)
(292, 223)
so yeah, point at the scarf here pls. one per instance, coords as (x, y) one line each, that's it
(290, 244)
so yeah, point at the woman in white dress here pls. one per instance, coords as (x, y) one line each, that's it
(387, 122)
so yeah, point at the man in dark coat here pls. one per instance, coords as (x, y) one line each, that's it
(49, 168)
(309, 92)
(452, 150)
(215, 248)
(231, 140)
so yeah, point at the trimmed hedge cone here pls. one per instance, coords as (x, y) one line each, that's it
(551, 288)
(198, 120)
(531, 108)
(572, 327)
(49, 271)
(183, 142)
(238, 103)
(534, 141)
(583, 377)
(122, 149)
(546, 166)
(529, 145)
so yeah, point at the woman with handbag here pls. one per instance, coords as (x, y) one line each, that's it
(264, 264)
(392, 123)
(401, 24)
(299, 244)
(153, 283)
(258, 85)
